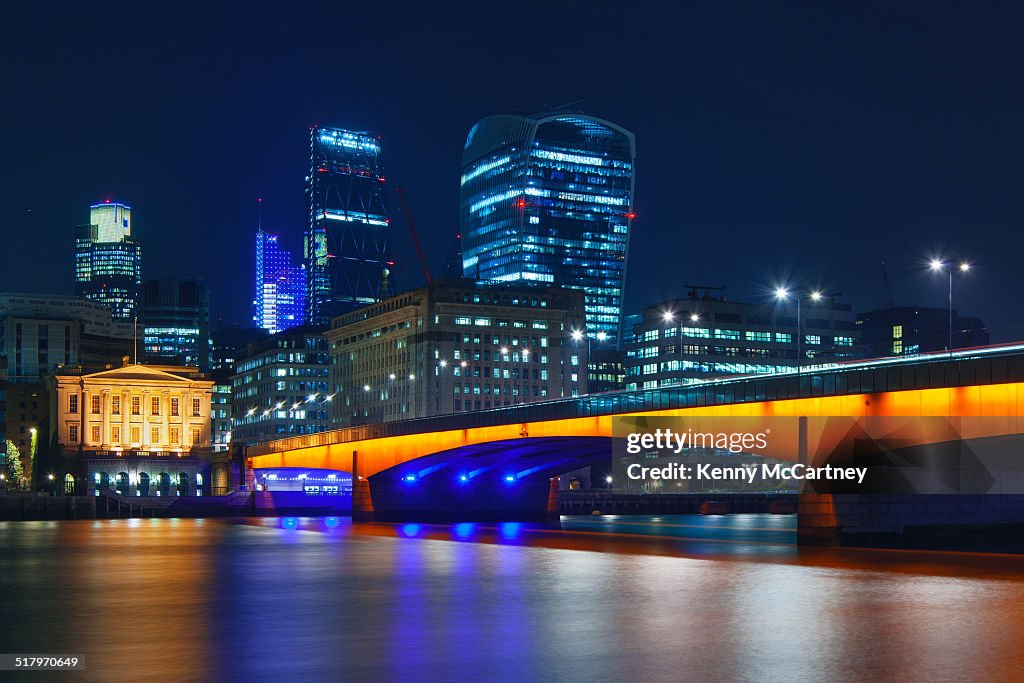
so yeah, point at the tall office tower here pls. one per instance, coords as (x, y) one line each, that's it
(280, 286)
(549, 198)
(346, 245)
(108, 260)
(175, 323)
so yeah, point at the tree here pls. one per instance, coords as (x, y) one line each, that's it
(12, 464)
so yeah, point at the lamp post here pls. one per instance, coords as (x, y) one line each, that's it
(578, 336)
(937, 266)
(437, 385)
(783, 294)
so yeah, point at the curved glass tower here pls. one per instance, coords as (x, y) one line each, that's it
(549, 198)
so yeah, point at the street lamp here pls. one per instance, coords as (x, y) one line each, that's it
(937, 266)
(783, 294)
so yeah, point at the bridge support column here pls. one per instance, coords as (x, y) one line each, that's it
(554, 500)
(816, 523)
(362, 501)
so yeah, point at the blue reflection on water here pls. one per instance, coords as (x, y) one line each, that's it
(510, 531)
(464, 530)
(331, 522)
(410, 530)
(289, 523)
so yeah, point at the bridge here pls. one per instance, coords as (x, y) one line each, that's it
(502, 463)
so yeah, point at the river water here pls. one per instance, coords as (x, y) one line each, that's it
(667, 598)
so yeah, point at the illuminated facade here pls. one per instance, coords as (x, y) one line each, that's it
(346, 243)
(175, 323)
(455, 346)
(279, 387)
(137, 430)
(683, 341)
(220, 411)
(549, 198)
(280, 300)
(108, 259)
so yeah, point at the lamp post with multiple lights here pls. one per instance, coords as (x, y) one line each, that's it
(937, 266)
(783, 294)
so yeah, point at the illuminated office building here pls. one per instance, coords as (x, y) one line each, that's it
(548, 198)
(346, 243)
(279, 387)
(108, 259)
(174, 323)
(280, 300)
(455, 346)
(683, 341)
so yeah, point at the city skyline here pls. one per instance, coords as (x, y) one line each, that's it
(732, 189)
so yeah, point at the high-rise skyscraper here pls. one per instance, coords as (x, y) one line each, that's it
(549, 198)
(346, 245)
(280, 300)
(175, 323)
(108, 259)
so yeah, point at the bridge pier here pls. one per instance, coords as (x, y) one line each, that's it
(816, 520)
(362, 501)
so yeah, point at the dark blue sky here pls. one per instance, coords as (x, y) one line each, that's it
(806, 141)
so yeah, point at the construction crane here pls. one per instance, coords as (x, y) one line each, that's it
(888, 287)
(412, 231)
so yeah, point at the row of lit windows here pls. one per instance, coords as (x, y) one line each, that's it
(95, 405)
(155, 433)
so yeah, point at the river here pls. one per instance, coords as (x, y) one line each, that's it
(596, 599)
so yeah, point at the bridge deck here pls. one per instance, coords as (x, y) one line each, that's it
(990, 365)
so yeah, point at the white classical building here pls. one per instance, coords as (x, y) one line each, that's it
(137, 430)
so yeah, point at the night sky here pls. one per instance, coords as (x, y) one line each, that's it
(803, 142)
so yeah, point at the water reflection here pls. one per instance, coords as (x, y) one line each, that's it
(666, 598)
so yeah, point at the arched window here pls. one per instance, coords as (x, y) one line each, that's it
(122, 483)
(143, 484)
(163, 484)
(69, 485)
(182, 484)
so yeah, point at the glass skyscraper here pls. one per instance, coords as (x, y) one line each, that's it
(346, 245)
(280, 300)
(175, 323)
(108, 259)
(549, 198)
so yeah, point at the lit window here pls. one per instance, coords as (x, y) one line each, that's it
(73, 433)
(174, 407)
(94, 400)
(154, 405)
(195, 407)
(73, 404)
(136, 406)
(95, 434)
(115, 405)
